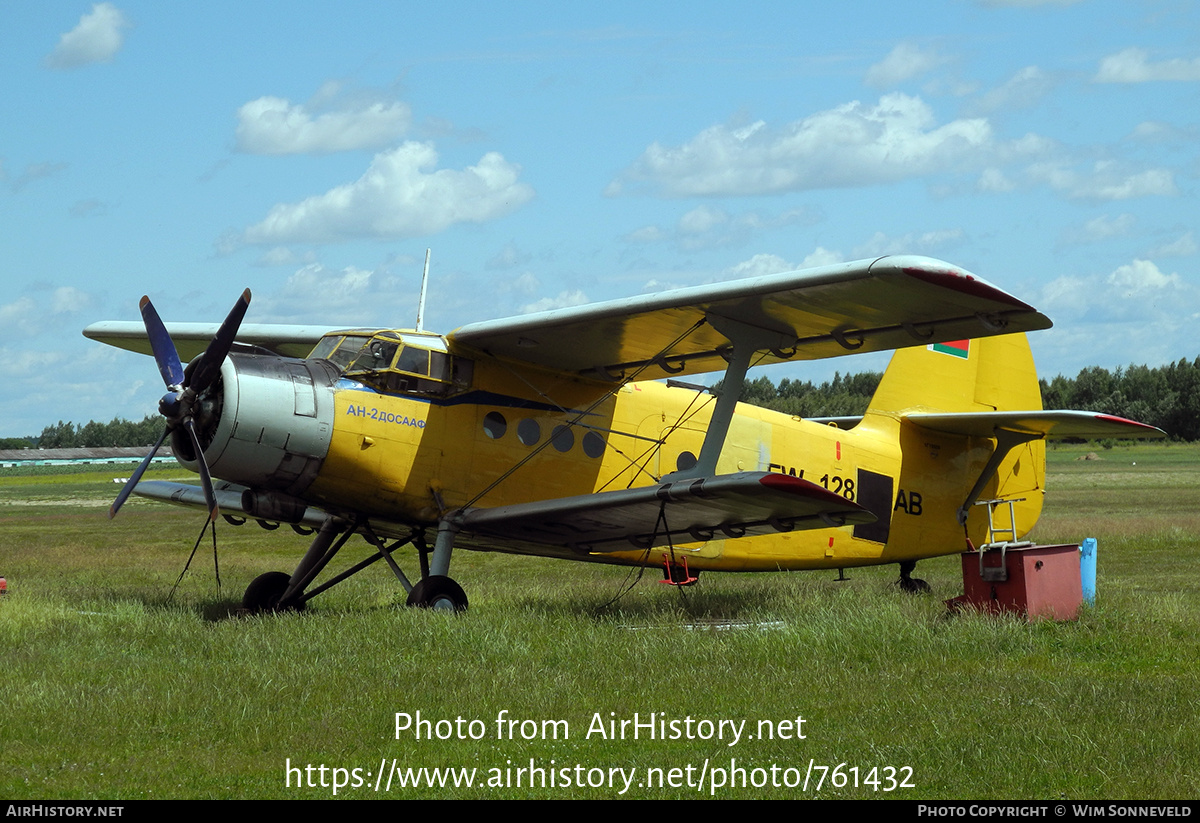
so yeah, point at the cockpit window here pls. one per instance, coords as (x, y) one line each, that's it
(386, 361)
(375, 356)
(339, 349)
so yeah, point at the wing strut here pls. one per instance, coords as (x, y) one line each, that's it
(747, 340)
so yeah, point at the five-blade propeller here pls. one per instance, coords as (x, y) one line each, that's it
(180, 403)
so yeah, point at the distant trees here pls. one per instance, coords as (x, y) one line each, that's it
(1165, 396)
(843, 395)
(91, 435)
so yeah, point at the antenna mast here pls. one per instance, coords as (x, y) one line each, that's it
(421, 301)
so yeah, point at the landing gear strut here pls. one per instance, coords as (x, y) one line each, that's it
(278, 591)
(908, 583)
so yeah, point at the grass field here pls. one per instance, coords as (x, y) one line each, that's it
(109, 691)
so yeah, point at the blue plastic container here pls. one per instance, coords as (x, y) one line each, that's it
(1087, 570)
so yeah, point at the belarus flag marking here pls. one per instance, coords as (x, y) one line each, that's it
(956, 348)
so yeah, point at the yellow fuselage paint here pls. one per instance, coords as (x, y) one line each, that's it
(408, 459)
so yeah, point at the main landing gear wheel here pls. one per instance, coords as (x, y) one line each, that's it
(264, 591)
(438, 592)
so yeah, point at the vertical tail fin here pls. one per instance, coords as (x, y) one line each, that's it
(985, 375)
(988, 374)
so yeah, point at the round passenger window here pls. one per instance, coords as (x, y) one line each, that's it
(494, 425)
(593, 444)
(563, 438)
(529, 432)
(685, 461)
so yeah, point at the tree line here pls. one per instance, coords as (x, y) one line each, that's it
(1165, 396)
(91, 435)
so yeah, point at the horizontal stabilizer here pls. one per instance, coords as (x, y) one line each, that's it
(692, 511)
(1084, 425)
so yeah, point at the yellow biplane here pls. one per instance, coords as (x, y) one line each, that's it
(551, 434)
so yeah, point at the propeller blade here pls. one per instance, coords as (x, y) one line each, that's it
(127, 489)
(210, 365)
(210, 497)
(164, 348)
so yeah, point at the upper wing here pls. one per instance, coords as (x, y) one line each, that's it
(1082, 424)
(191, 339)
(869, 305)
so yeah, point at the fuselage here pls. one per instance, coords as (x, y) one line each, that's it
(405, 444)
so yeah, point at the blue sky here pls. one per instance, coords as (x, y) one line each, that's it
(553, 154)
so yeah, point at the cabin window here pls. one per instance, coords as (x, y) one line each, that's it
(563, 438)
(593, 444)
(529, 432)
(494, 425)
(413, 360)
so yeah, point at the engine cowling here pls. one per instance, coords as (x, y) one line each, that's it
(266, 423)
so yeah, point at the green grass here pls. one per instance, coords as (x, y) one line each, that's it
(109, 691)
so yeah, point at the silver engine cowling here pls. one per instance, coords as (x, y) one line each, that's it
(266, 423)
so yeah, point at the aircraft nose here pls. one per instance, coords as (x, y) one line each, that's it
(272, 421)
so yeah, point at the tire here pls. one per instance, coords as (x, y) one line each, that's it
(264, 592)
(438, 592)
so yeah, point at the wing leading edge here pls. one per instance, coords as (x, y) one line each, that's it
(869, 305)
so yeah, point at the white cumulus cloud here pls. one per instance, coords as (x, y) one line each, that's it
(564, 300)
(70, 300)
(1135, 293)
(1101, 228)
(400, 195)
(1020, 91)
(904, 62)
(96, 39)
(1107, 180)
(352, 296)
(1133, 65)
(273, 125)
(1184, 246)
(1141, 277)
(757, 266)
(851, 145)
(880, 244)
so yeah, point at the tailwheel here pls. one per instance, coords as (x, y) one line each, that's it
(264, 592)
(910, 584)
(438, 592)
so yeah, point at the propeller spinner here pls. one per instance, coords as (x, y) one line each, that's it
(184, 390)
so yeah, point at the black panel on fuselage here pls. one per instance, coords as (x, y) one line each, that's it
(875, 495)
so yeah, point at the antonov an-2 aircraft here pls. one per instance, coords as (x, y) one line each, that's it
(551, 434)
